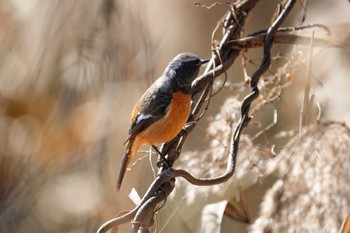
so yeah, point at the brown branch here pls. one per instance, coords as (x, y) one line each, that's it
(298, 28)
(162, 178)
(283, 38)
(163, 184)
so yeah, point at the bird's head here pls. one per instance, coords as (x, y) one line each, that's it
(184, 68)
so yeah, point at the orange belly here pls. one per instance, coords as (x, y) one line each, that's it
(168, 127)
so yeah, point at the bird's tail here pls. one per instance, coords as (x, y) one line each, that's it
(131, 150)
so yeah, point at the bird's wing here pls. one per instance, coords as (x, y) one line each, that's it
(152, 107)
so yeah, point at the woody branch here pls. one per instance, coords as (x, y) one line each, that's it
(223, 57)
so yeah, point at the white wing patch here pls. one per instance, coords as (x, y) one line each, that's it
(142, 117)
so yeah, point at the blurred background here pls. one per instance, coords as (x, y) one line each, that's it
(70, 74)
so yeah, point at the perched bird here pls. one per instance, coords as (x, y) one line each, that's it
(163, 109)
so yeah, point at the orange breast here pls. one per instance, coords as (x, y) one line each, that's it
(167, 128)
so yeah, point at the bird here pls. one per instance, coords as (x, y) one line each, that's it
(163, 109)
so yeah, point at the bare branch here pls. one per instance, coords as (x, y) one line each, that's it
(225, 55)
(281, 38)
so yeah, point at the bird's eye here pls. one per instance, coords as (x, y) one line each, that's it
(191, 63)
(185, 64)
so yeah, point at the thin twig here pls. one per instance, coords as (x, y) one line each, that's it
(293, 29)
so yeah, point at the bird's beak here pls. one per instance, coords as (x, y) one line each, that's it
(204, 61)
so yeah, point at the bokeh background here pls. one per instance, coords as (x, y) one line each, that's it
(70, 73)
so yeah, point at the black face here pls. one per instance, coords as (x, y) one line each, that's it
(184, 68)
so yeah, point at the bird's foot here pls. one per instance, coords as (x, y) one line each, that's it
(162, 161)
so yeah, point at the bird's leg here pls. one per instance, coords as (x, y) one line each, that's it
(162, 157)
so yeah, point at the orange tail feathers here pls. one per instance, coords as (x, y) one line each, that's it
(130, 153)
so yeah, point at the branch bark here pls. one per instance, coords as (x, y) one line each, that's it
(222, 58)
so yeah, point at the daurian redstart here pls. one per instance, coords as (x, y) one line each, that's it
(163, 109)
